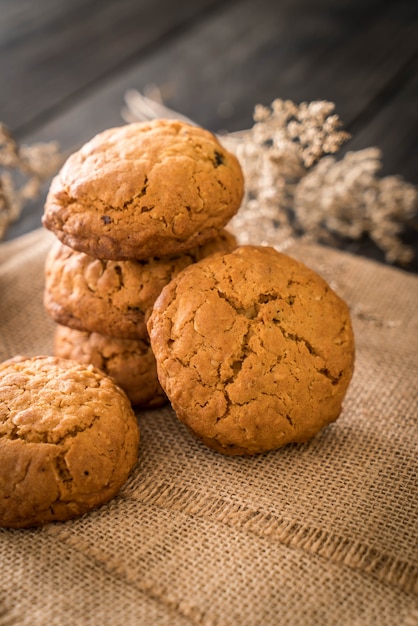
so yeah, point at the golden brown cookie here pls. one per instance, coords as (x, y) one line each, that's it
(253, 349)
(113, 298)
(130, 362)
(68, 440)
(144, 189)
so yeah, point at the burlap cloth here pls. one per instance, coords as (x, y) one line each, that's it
(323, 533)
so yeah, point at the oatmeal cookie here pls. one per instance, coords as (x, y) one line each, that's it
(144, 189)
(68, 440)
(253, 349)
(113, 298)
(130, 362)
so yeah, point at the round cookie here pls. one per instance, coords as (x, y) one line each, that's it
(253, 349)
(68, 440)
(144, 189)
(113, 298)
(130, 362)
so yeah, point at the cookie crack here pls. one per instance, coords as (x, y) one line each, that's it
(296, 338)
(119, 274)
(143, 191)
(62, 470)
(290, 421)
(264, 298)
(221, 184)
(197, 187)
(236, 368)
(66, 201)
(324, 371)
(333, 379)
(252, 311)
(248, 312)
(45, 437)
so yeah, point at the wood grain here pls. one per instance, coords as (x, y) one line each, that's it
(53, 51)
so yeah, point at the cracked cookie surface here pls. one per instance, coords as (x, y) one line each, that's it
(144, 189)
(68, 440)
(254, 350)
(130, 362)
(113, 298)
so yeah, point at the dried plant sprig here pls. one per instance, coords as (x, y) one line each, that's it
(347, 199)
(285, 142)
(149, 105)
(303, 132)
(23, 169)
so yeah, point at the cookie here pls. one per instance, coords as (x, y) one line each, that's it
(68, 440)
(253, 349)
(113, 297)
(144, 189)
(130, 362)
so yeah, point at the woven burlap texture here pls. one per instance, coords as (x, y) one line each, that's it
(322, 533)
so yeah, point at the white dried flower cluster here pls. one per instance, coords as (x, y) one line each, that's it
(285, 141)
(346, 199)
(301, 134)
(294, 189)
(23, 169)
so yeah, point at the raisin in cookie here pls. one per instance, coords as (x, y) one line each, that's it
(253, 349)
(130, 362)
(68, 440)
(113, 297)
(144, 189)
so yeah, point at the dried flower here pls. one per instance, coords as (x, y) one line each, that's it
(346, 199)
(23, 169)
(302, 132)
(285, 141)
(294, 188)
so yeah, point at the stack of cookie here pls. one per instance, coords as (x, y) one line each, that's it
(130, 209)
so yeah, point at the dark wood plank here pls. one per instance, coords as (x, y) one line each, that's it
(345, 52)
(248, 53)
(51, 51)
(25, 18)
(393, 126)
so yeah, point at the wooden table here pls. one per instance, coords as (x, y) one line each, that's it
(65, 66)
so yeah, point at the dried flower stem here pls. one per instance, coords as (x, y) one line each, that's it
(23, 169)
